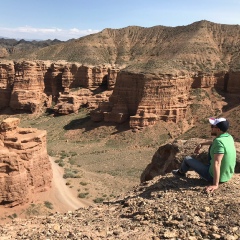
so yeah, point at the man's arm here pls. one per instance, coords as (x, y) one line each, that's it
(201, 144)
(216, 172)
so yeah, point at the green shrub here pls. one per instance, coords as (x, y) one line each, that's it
(14, 215)
(72, 161)
(71, 173)
(98, 200)
(83, 183)
(82, 195)
(48, 204)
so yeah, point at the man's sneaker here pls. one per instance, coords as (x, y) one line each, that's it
(178, 173)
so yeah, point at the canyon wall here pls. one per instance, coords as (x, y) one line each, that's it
(110, 94)
(25, 167)
(32, 86)
(147, 98)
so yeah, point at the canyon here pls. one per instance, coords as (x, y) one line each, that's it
(110, 94)
(140, 75)
(145, 82)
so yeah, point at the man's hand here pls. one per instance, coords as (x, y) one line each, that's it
(197, 148)
(211, 188)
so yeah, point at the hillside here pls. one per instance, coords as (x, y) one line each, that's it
(200, 46)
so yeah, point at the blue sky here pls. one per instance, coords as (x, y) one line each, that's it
(66, 19)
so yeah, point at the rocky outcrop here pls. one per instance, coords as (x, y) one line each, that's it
(170, 156)
(114, 95)
(71, 102)
(112, 77)
(31, 86)
(24, 163)
(6, 83)
(28, 86)
(147, 98)
(95, 82)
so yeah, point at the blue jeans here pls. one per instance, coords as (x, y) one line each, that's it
(192, 163)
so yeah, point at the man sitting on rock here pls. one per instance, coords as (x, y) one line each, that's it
(222, 157)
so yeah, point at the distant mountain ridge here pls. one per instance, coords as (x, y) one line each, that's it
(10, 46)
(200, 46)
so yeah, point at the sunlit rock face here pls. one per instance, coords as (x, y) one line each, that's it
(27, 94)
(147, 98)
(25, 167)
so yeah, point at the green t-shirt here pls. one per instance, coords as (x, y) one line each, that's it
(224, 144)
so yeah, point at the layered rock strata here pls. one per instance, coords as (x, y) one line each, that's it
(24, 163)
(28, 86)
(147, 98)
(141, 98)
(32, 86)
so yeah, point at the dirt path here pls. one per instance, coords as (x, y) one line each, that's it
(60, 195)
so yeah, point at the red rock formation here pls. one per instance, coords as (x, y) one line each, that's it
(67, 78)
(28, 87)
(6, 83)
(99, 76)
(56, 80)
(147, 98)
(82, 76)
(112, 77)
(24, 163)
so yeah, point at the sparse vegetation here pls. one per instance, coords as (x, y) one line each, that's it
(83, 183)
(83, 195)
(98, 200)
(71, 173)
(12, 216)
(33, 210)
(48, 204)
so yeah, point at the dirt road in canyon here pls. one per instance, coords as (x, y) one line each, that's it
(60, 195)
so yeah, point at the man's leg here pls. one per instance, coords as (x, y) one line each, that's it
(192, 163)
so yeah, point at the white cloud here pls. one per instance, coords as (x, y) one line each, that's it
(28, 32)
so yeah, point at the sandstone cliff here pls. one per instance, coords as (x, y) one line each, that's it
(182, 97)
(33, 86)
(24, 163)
